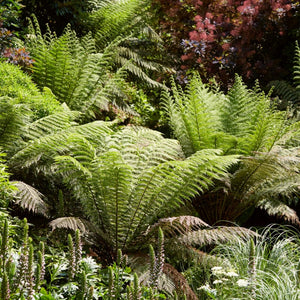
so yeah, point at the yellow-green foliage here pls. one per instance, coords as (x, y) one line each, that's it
(19, 87)
(5, 186)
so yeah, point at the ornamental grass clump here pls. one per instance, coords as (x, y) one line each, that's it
(266, 268)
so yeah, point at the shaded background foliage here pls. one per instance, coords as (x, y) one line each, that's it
(56, 13)
(251, 38)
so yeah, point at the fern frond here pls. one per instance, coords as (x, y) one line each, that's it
(42, 150)
(289, 94)
(50, 124)
(29, 198)
(194, 115)
(116, 19)
(173, 226)
(238, 109)
(286, 92)
(72, 223)
(13, 117)
(218, 235)
(275, 207)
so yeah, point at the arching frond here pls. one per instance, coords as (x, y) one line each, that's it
(286, 92)
(217, 235)
(42, 150)
(72, 223)
(50, 124)
(29, 198)
(173, 226)
(13, 117)
(275, 207)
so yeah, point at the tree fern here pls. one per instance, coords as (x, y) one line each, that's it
(73, 70)
(124, 183)
(242, 122)
(116, 18)
(127, 23)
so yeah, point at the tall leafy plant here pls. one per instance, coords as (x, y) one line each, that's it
(243, 122)
(124, 181)
(74, 71)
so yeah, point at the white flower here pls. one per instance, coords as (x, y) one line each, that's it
(232, 274)
(217, 281)
(217, 270)
(205, 287)
(242, 283)
(224, 279)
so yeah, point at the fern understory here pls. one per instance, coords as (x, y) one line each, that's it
(73, 160)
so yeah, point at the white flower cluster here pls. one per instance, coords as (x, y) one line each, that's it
(206, 288)
(225, 275)
(223, 278)
(216, 271)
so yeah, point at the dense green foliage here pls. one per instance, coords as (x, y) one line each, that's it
(75, 158)
(242, 122)
(19, 87)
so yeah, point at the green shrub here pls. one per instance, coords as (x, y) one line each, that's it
(18, 86)
(5, 186)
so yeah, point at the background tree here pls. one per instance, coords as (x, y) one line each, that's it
(225, 37)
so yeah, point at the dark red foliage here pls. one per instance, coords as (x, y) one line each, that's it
(223, 37)
(16, 56)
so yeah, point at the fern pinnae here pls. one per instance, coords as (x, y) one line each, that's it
(29, 198)
(72, 223)
(139, 202)
(296, 72)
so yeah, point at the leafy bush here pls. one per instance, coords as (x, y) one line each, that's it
(19, 87)
(221, 38)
